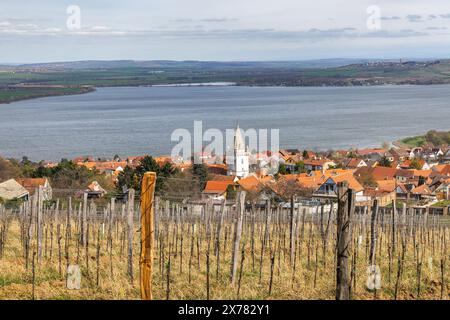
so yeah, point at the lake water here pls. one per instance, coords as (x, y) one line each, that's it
(140, 120)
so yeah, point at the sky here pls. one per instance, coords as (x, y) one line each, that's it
(231, 30)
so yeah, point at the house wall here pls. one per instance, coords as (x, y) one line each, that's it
(382, 200)
(387, 199)
(401, 179)
(442, 195)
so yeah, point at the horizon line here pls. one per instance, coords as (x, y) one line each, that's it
(223, 61)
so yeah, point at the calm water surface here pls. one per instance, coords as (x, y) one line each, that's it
(140, 120)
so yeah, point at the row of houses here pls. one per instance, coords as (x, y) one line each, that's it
(249, 161)
(354, 158)
(385, 184)
(417, 174)
(24, 188)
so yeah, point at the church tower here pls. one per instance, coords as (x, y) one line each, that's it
(240, 166)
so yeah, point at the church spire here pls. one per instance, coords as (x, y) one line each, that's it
(239, 144)
(240, 166)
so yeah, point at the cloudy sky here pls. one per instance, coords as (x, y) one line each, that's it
(48, 30)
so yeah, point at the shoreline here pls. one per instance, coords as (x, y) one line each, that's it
(395, 144)
(83, 90)
(89, 89)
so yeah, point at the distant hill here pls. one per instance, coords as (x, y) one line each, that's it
(328, 72)
(100, 64)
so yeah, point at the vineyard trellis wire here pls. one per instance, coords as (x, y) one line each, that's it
(219, 250)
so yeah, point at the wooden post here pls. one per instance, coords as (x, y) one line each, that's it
(373, 232)
(130, 214)
(84, 221)
(147, 211)
(38, 193)
(394, 213)
(346, 205)
(292, 231)
(237, 234)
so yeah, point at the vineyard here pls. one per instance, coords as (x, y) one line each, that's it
(222, 250)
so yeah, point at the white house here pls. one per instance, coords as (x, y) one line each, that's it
(32, 184)
(329, 187)
(11, 189)
(447, 156)
(318, 165)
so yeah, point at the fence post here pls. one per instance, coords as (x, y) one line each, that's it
(346, 206)
(237, 234)
(292, 231)
(84, 220)
(373, 232)
(394, 214)
(130, 216)
(39, 223)
(147, 211)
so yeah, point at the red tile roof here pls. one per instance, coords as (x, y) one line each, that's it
(387, 185)
(422, 173)
(103, 165)
(378, 173)
(31, 183)
(422, 190)
(253, 183)
(352, 182)
(217, 186)
(445, 170)
(318, 162)
(364, 152)
(219, 177)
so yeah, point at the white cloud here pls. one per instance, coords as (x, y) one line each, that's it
(208, 29)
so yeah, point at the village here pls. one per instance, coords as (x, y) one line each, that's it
(418, 177)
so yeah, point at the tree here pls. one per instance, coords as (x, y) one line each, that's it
(384, 162)
(300, 167)
(415, 164)
(282, 169)
(8, 170)
(27, 167)
(231, 192)
(422, 180)
(305, 154)
(131, 178)
(337, 166)
(351, 154)
(200, 174)
(128, 179)
(69, 175)
(366, 179)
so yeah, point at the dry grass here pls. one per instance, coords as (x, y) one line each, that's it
(314, 276)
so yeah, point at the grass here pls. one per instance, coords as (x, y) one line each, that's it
(314, 276)
(443, 203)
(263, 74)
(22, 93)
(433, 137)
(414, 142)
